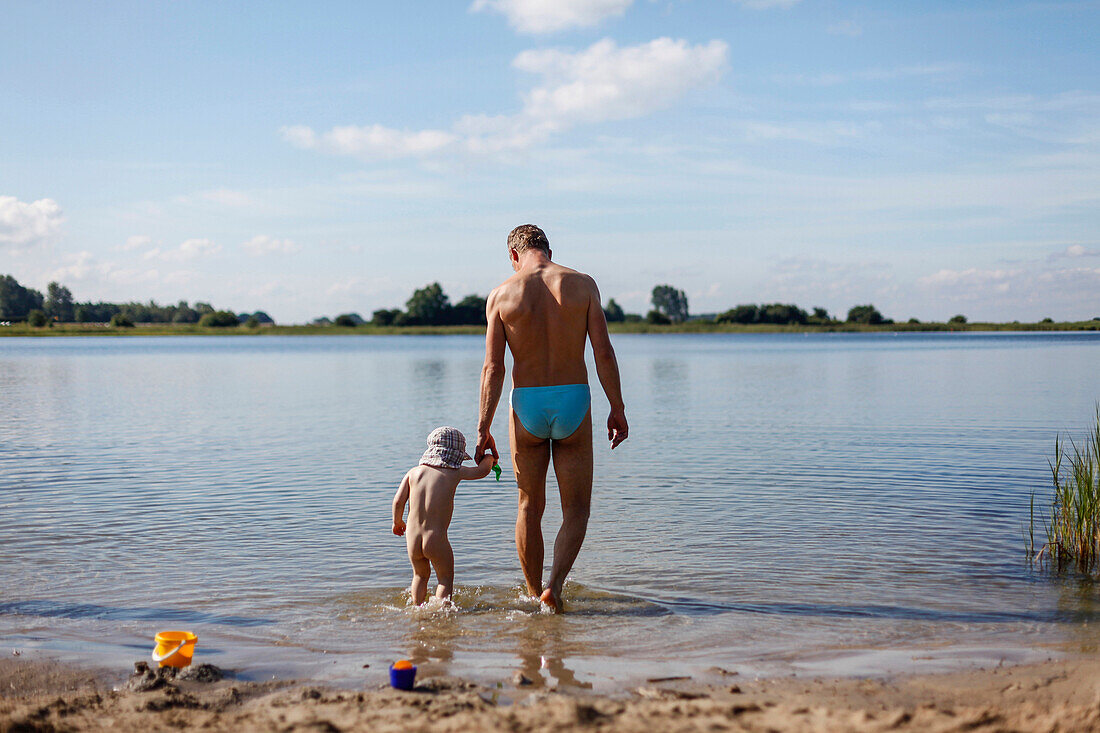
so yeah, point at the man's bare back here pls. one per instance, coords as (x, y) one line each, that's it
(544, 314)
(545, 310)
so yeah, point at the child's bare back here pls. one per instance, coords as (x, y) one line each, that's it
(429, 490)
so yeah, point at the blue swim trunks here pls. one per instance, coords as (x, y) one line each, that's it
(551, 412)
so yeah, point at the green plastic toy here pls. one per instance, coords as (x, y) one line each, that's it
(497, 470)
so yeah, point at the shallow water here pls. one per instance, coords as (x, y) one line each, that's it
(785, 503)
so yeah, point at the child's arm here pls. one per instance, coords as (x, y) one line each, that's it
(399, 500)
(481, 470)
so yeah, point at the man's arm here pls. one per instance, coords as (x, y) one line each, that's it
(607, 369)
(399, 501)
(492, 379)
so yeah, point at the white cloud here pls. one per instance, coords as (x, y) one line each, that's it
(547, 16)
(605, 82)
(136, 241)
(23, 224)
(1074, 251)
(600, 83)
(84, 269)
(1071, 291)
(79, 266)
(189, 249)
(262, 245)
(370, 142)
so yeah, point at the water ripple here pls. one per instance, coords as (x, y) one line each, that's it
(777, 492)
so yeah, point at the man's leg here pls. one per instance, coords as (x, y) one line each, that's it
(573, 469)
(531, 457)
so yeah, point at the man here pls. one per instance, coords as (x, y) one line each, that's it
(545, 313)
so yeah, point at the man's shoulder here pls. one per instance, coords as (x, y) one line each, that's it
(568, 276)
(570, 272)
(577, 279)
(513, 285)
(503, 290)
(516, 285)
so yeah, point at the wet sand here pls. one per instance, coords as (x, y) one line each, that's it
(1064, 695)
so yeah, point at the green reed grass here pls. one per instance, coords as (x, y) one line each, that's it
(1073, 525)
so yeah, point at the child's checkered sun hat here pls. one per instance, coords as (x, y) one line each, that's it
(446, 449)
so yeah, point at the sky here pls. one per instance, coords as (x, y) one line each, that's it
(311, 159)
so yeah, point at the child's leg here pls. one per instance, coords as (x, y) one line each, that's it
(438, 550)
(422, 571)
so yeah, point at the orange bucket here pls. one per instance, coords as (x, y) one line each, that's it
(174, 648)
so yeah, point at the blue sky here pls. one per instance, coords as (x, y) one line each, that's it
(316, 158)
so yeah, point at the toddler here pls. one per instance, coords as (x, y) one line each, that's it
(429, 489)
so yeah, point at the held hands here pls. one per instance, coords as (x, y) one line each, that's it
(485, 444)
(617, 429)
(399, 528)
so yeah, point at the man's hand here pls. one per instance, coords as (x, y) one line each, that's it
(616, 428)
(399, 528)
(485, 444)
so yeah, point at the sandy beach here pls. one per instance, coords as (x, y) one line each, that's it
(1064, 695)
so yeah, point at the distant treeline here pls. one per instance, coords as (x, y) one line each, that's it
(19, 303)
(671, 306)
(790, 314)
(428, 306)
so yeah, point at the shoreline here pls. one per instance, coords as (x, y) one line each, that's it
(1062, 694)
(690, 327)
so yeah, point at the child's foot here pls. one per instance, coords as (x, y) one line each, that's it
(551, 600)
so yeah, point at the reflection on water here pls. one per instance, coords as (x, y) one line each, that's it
(1079, 597)
(59, 609)
(779, 496)
(542, 656)
(433, 639)
(486, 616)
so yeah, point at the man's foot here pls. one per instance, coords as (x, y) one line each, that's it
(551, 600)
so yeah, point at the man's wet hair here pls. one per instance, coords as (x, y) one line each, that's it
(528, 236)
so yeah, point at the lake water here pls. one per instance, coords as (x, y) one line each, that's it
(785, 503)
